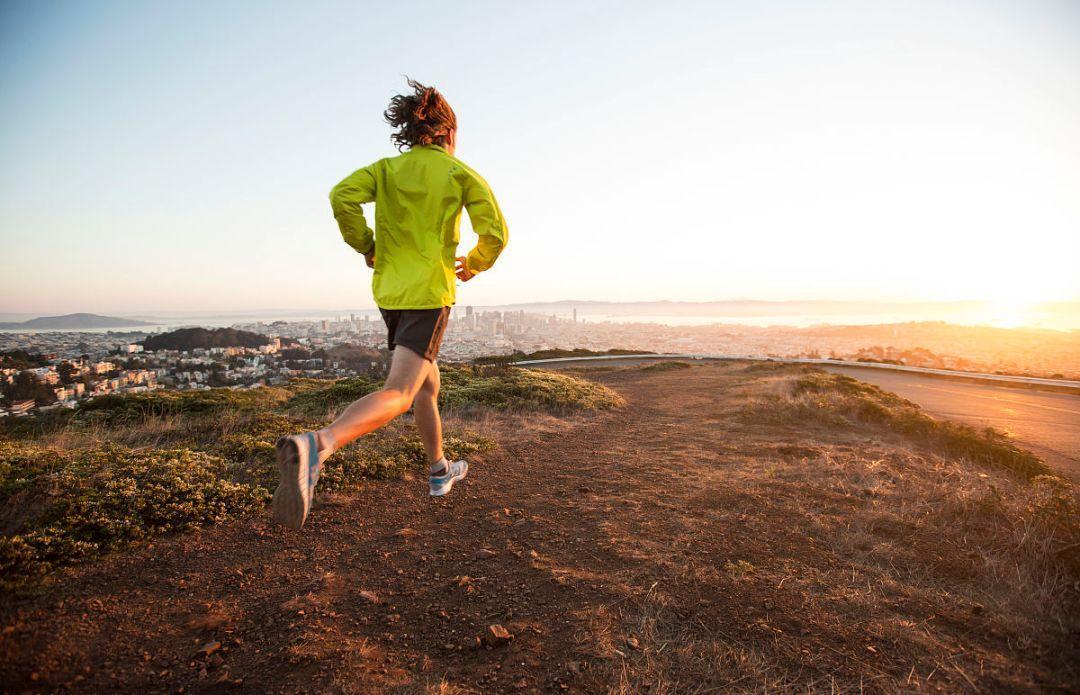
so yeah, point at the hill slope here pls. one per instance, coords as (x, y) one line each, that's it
(74, 321)
(733, 528)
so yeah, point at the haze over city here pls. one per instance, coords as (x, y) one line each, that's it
(176, 158)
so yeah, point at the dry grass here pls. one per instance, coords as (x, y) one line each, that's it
(810, 397)
(871, 558)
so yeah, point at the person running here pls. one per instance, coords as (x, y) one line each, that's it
(418, 196)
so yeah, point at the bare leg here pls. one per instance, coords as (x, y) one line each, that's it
(426, 412)
(408, 373)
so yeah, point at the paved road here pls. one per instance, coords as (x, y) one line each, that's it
(1046, 423)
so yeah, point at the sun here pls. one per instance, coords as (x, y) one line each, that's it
(1011, 314)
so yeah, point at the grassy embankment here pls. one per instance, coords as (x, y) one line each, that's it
(928, 549)
(127, 468)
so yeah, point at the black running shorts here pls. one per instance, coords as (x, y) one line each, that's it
(420, 330)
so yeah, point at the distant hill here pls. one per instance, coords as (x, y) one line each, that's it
(69, 321)
(191, 338)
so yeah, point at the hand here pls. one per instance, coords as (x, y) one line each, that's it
(461, 269)
(369, 258)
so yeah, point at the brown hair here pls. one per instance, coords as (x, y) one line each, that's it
(422, 118)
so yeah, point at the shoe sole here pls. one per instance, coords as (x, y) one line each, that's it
(288, 501)
(439, 492)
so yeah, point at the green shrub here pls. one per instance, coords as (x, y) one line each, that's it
(21, 463)
(114, 410)
(319, 397)
(513, 388)
(468, 387)
(36, 425)
(100, 499)
(666, 366)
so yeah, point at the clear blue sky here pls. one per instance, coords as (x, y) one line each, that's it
(161, 156)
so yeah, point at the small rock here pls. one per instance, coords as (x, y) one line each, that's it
(633, 643)
(369, 596)
(208, 648)
(484, 554)
(497, 636)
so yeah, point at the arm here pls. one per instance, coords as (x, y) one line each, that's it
(345, 200)
(488, 223)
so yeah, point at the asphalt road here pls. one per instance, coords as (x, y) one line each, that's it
(1046, 423)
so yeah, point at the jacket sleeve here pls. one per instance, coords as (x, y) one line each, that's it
(487, 221)
(345, 200)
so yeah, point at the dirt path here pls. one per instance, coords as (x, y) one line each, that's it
(619, 549)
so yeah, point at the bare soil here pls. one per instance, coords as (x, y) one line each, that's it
(673, 546)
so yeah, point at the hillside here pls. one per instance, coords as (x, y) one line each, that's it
(192, 338)
(72, 322)
(732, 528)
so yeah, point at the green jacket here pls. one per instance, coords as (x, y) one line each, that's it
(418, 199)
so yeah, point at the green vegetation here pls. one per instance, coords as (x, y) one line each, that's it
(835, 400)
(130, 408)
(21, 359)
(316, 397)
(192, 338)
(473, 386)
(69, 505)
(132, 467)
(512, 388)
(666, 366)
(518, 355)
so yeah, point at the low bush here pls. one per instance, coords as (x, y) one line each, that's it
(90, 501)
(512, 388)
(320, 397)
(115, 410)
(473, 386)
(666, 366)
(835, 399)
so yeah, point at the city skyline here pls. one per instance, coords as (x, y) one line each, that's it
(774, 151)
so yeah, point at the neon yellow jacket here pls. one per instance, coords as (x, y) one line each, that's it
(418, 199)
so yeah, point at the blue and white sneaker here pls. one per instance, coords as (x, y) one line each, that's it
(439, 485)
(298, 467)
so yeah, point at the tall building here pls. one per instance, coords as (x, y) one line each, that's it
(468, 311)
(575, 314)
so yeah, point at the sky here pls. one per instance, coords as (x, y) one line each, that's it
(178, 156)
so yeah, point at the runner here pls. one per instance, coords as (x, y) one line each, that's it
(418, 198)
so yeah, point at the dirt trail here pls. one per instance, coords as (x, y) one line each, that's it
(598, 543)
